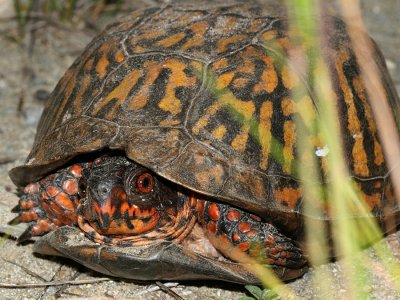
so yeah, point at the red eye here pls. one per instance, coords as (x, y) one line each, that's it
(145, 183)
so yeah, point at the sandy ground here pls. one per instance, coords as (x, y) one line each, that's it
(31, 70)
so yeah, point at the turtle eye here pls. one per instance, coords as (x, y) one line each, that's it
(144, 183)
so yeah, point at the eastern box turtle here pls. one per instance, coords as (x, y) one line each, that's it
(158, 144)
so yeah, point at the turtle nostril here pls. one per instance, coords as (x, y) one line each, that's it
(103, 190)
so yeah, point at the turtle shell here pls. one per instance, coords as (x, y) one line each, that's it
(204, 97)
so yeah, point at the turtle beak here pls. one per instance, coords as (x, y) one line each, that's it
(101, 212)
(114, 215)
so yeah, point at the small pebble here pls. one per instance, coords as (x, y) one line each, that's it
(41, 95)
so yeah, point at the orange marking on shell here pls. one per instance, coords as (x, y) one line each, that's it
(244, 246)
(219, 132)
(269, 35)
(171, 40)
(103, 62)
(206, 178)
(63, 200)
(199, 29)
(120, 92)
(233, 215)
(213, 211)
(224, 80)
(240, 82)
(283, 43)
(239, 143)
(244, 227)
(70, 186)
(178, 78)
(360, 165)
(220, 64)
(76, 170)
(378, 154)
(264, 131)
(223, 43)
(289, 136)
(255, 25)
(149, 35)
(288, 106)
(373, 201)
(288, 197)
(269, 78)
(248, 64)
(203, 121)
(244, 108)
(139, 99)
(169, 123)
(88, 65)
(101, 66)
(52, 190)
(119, 56)
(212, 227)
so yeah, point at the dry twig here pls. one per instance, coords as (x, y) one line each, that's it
(53, 283)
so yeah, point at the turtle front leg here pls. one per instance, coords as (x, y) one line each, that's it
(50, 202)
(230, 228)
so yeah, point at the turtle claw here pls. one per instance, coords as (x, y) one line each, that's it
(16, 209)
(26, 235)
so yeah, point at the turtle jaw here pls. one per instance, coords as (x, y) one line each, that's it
(115, 216)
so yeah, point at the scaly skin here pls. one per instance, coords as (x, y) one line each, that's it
(116, 201)
(50, 202)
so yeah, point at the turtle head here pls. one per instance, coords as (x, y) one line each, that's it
(123, 201)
